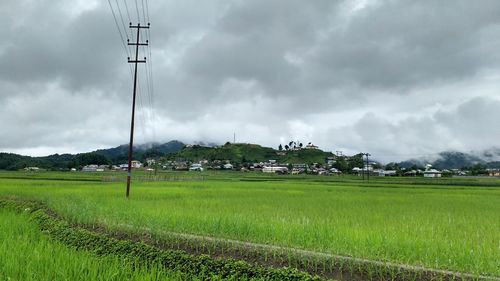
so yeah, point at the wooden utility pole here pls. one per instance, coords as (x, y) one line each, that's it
(136, 61)
(367, 166)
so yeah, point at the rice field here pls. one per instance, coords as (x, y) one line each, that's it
(27, 254)
(451, 224)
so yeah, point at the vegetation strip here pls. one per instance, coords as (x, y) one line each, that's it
(144, 246)
(102, 244)
(345, 267)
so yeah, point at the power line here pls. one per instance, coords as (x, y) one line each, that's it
(151, 74)
(119, 30)
(128, 15)
(121, 17)
(143, 11)
(137, 10)
(147, 11)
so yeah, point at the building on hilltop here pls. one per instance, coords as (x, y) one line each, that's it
(311, 146)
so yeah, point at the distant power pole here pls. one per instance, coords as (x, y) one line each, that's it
(136, 61)
(363, 162)
(367, 165)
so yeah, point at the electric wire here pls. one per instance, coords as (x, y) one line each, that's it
(150, 65)
(128, 15)
(145, 99)
(121, 17)
(137, 10)
(143, 12)
(119, 30)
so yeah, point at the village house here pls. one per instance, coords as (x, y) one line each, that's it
(90, 168)
(196, 167)
(494, 172)
(432, 173)
(33, 169)
(275, 170)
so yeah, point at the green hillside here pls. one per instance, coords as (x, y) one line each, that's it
(249, 153)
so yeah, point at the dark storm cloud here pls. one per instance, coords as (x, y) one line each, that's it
(51, 45)
(405, 44)
(327, 50)
(370, 75)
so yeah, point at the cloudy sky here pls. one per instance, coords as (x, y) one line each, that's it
(399, 79)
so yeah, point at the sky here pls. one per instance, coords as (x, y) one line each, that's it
(398, 79)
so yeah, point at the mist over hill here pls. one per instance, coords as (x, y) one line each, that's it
(457, 160)
(236, 153)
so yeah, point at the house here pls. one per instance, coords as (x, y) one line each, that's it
(299, 166)
(311, 146)
(136, 164)
(494, 172)
(150, 162)
(275, 170)
(196, 167)
(34, 169)
(90, 168)
(390, 173)
(432, 173)
(330, 160)
(377, 172)
(411, 173)
(335, 171)
(323, 172)
(367, 169)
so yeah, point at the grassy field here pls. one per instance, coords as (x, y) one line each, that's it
(439, 223)
(27, 254)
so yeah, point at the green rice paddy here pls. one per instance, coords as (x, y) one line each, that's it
(27, 254)
(451, 224)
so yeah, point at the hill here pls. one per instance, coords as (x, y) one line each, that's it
(457, 160)
(115, 155)
(236, 153)
(119, 154)
(249, 153)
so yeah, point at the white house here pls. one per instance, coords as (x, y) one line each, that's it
(390, 173)
(275, 169)
(196, 167)
(311, 146)
(90, 168)
(432, 173)
(136, 164)
(335, 171)
(32, 169)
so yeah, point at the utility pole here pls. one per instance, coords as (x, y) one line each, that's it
(363, 168)
(367, 166)
(136, 61)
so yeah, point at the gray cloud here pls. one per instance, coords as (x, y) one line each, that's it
(392, 77)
